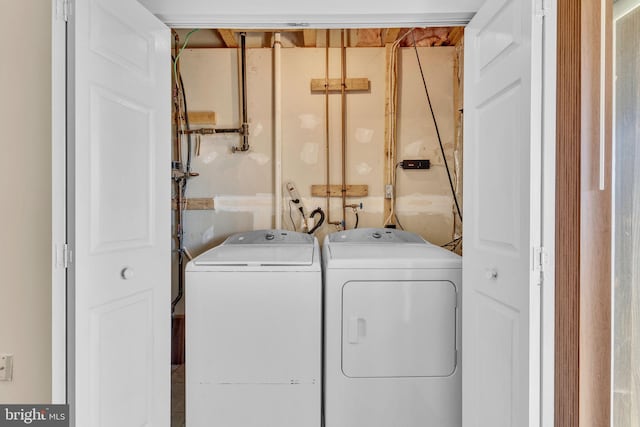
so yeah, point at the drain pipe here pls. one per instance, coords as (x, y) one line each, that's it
(277, 127)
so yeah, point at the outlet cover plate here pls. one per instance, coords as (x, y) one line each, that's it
(6, 367)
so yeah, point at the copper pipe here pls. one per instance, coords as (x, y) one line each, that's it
(344, 131)
(326, 123)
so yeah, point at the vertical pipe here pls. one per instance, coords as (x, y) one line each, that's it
(326, 125)
(176, 103)
(344, 121)
(277, 127)
(245, 125)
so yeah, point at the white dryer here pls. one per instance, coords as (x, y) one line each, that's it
(253, 332)
(392, 331)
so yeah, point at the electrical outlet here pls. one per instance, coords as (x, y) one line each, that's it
(388, 191)
(415, 164)
(6, 367)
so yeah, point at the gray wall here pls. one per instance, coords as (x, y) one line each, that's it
(25, 120)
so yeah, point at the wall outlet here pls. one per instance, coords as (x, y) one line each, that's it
(6, 367)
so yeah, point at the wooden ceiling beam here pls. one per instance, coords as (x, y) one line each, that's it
(228, 37)
(455, 35)
(309, 37)
(390, 35)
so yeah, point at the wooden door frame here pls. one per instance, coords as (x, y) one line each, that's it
(583, 219)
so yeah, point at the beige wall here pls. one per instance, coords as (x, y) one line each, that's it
(242, 183)
(25, 120)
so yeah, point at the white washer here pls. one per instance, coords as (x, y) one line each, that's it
(392, 331)
(253, 332)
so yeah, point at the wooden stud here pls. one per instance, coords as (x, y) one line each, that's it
(387, 129)
(336, 190)
(229, 37)
(390, 35)
(196, 204)
(202, 117)
(309, 37)
(455, 35)
(317, 85)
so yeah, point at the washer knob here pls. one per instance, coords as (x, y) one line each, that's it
(376, 235)
(270, 236)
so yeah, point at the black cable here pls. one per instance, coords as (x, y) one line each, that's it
(291, 217)
(435, 122)
(357, 219)
(316, 211)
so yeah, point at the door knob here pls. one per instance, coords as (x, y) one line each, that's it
(127, 273)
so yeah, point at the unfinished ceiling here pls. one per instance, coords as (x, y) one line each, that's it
(368, 37)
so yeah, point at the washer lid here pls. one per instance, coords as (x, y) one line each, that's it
(261, 248)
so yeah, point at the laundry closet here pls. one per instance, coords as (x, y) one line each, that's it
(263, 125)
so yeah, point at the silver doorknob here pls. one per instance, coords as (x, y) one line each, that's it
(127, 273)
(491, 274)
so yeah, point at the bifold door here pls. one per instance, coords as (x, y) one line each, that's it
(119, 183)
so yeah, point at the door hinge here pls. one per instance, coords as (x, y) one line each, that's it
(539, 262)
(63, 8)
(542, 9)
(67, 256)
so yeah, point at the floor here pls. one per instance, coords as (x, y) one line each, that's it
(177, 396)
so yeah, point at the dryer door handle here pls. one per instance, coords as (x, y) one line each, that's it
(357, 329)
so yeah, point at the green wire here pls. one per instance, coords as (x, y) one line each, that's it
(175, 61)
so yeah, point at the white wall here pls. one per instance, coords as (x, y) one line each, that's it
(276, 13)
(242, 183)
(25, 120)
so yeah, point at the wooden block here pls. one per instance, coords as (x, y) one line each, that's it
(455, 35)
(228, 37)
(196, 204)
(336, 190)
(309, 37)
(202, 117)
(335, 85)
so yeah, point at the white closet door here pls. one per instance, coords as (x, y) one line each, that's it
(501, 324)
(119, 207)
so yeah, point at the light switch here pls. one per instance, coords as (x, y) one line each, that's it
(6, 367)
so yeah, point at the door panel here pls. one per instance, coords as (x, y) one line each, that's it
(502, 215)
(399, 329)
(119, 157)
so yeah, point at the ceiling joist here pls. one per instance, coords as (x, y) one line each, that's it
(228, 37)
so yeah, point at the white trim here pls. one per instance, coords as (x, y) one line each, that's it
(186, 20)
(547, 344)
(58, 205)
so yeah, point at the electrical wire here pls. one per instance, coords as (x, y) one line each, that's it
(357, 219)
(184, 45)
(435, 123)
(393, 122)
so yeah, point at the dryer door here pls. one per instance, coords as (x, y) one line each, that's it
(398, 329)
